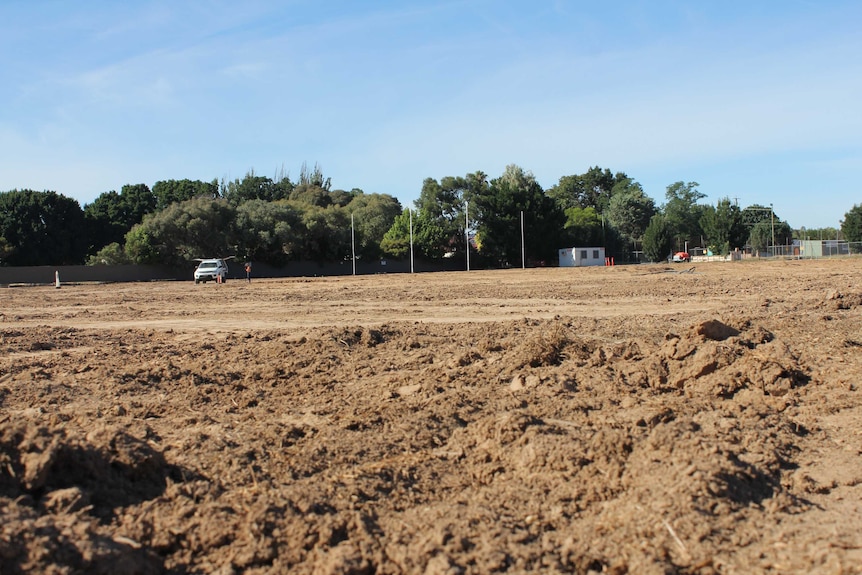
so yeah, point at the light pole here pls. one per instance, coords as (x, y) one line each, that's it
(523, 253)
(352, 244)
(772, 220)
(467, 231)
(411, 240)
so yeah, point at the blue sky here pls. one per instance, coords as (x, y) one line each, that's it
(758, 101)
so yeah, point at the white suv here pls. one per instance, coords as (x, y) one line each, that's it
(211, 270)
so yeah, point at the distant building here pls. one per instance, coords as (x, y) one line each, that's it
(580, 257)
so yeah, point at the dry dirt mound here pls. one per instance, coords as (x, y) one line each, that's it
(514, 446)
(60, 485)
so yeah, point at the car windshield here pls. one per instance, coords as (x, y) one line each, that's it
(207, 265)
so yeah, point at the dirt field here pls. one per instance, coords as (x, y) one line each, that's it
(704, 418)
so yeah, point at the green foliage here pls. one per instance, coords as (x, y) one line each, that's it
(196, 228)
(592, 189)
(827, 233)
(312, 195)
(722, 226)
(498, 219)
(169, 192)
(342, 197)
(583, 227)
(6, 250)
(630, 210)
(396, 240)
(41, 228)
(327, 234)
(110, 255)
(269, 232)
(763, 224)
(277, 221)
(783, 234)
(755, 213)
(441, 207)
(137, 201)
(373, 215)
(254, 187)
(313, 177)
(111, 215)
(658, 239)
(141, 247)
(761, 237)
(683, 212)
(851, 225)
(428, 237)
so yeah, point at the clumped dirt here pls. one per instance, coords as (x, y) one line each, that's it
(645, 419)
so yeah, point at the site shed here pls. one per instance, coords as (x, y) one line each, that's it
(580, 257)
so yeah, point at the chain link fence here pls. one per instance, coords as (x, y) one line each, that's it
(815, 249)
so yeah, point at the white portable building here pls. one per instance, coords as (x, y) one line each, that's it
(580, 257)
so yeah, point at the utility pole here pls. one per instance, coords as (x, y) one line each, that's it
(467, 232)
(523, 253)
(772, 220)
(352, 244)
(411, 240)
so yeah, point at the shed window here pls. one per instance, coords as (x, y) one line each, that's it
(583, 254)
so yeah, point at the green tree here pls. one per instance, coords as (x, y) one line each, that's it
(683, 212)
(396, 240)
(755, 213)
(110, 255)
(169, 192)
(314, 177)
(499, 221)
(138, 201)
(311, 195)
(783, 234)
(658, 239)
(6, 250)
(428, 236)
(373, 215)
(112, 215)
(269, 232)
(722, 226)
(442, 206)
(42, 228)
(197, 228)
(761, 237)
(583, 227)
(250, 187)
(314, 189)
(630, 210)
(326, 233)
(592, 189)
(105, 219)
(343, 197)
(851, 225)
(827, 233)
(141, 247)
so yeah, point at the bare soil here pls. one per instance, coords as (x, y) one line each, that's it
(697, 418)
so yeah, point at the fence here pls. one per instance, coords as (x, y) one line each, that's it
(814, 249)
(841, 248)
(138, 273)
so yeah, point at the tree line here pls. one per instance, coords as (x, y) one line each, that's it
(277, 220)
